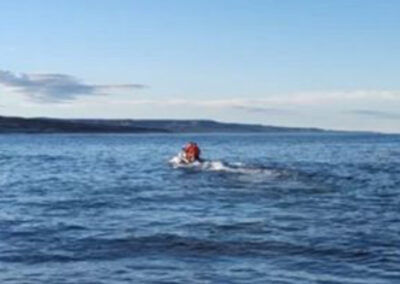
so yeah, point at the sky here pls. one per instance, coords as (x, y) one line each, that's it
(332, 64)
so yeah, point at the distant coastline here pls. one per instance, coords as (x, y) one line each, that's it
(54, 125)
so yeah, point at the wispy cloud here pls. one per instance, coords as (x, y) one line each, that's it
(261, 110)
(57, 87)
(375, 114)
(284, 103)
(273, 102)
(330, 97)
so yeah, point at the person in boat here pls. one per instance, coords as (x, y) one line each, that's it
(191, 153)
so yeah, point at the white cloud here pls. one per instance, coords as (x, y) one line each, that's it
(274, 102)
(326, 109)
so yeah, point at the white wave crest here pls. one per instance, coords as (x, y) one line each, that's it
(219, 166)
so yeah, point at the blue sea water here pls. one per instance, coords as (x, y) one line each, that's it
(271, 208)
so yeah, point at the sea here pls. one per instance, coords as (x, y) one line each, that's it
(284, 208)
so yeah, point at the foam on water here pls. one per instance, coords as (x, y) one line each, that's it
(220, 166)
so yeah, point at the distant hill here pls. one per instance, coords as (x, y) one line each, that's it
(50, 125)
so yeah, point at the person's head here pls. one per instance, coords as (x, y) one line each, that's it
(192, 151)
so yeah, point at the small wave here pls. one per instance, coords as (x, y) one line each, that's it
(95, 248)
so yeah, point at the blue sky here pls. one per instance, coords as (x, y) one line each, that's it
(331, 64)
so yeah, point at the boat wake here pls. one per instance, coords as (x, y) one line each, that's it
(219, 166)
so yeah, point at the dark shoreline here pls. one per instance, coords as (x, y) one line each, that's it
(10, 125)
